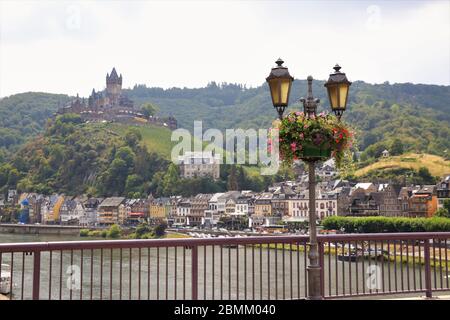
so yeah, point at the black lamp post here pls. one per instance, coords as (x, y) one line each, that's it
(337, 87)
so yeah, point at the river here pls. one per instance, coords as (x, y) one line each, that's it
(238, 278)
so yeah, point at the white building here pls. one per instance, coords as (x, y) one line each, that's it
(200, 164)
(212, 215)
(326, 205)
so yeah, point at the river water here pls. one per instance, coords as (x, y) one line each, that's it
(223, 273)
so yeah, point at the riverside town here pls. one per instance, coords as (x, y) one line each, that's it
(246, 169)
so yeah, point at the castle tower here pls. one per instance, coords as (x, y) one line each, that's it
(113, 86)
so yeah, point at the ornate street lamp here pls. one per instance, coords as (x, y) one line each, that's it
(337, 87)
(280, 82)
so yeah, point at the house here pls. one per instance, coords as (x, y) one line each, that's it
(280, 200)
(108, 210)
(390, 202)
(159, 210)
(423, 202)
(263, 204)
(362, 204)
(137, 211)
(173, 203)
(200, 164)
(222, 202)
(199, 204)
(243, 204)
(443, 191)
(71, 211)
(89, 218)
(385, 153)
(326, 205)
(327, 171)
(183, 211)
(212, 215)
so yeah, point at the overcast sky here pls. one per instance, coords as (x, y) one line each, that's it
(68, 47)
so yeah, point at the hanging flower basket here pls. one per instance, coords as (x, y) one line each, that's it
(311, 139)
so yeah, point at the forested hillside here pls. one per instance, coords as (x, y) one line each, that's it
(416, 115)
(23, 116)
(105, 159)
(399, 117)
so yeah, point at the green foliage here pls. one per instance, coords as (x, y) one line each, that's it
(114, 231)
(396, 147)
(386, 224)
(84, 232)
(149, 109)
(142, 229)
(23, 116)
(160, 230)
(233, 223)
(444, 212)
(75, 158)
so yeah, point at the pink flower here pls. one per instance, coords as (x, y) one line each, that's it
(298, 113)
(302, 135)
(293, 146)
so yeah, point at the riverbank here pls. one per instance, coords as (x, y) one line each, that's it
(39, 229)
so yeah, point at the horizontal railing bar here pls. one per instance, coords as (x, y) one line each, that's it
(380, 293)
(150, 243)
(383, 236)
(106, 244)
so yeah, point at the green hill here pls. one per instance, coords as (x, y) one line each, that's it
(437, 166)
(155, 138)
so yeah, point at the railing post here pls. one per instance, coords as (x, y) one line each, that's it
(36, 274)
(194, 264)
(322, 272)
(428, 291)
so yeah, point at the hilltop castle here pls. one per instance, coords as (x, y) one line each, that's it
(113, 105)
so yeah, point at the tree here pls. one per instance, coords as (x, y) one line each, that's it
(160, 229)
(114, 231)
(396, 147)
(232, 179)
(442, 213)
(133, 136)
(425, 175)
(447, 205)
(149, 109)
